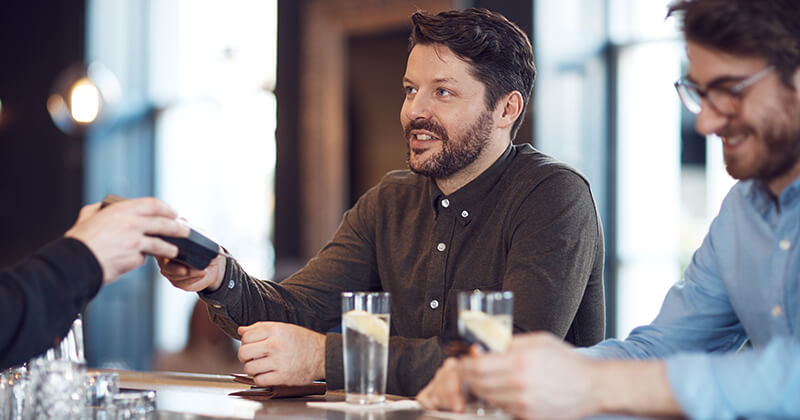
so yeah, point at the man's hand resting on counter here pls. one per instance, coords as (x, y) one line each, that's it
(276, 353)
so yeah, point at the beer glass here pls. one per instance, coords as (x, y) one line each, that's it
(485, 319)
(365, 340)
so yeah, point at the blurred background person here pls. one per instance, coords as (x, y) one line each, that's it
(207, 350)
(42, 295)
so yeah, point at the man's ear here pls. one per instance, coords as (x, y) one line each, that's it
(796, 80)
(510, 107)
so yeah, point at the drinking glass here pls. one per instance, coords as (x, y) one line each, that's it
(56, 390)
(6, 397)
(100, 390)
(365, 340)
(15, 382)
(485, 319)
(133, 405)
(70, 347)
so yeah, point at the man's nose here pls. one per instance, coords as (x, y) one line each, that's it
(709, 120)
(418, 107)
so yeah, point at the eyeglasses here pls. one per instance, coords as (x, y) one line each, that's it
(724, 100)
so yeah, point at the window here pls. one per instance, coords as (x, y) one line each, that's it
(605, 104)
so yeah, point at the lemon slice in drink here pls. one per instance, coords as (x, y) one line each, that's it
(368, 324)
(493, 331)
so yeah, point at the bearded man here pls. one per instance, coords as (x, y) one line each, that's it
(473, 212)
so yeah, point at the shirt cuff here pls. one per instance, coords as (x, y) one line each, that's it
(229, 290)
(691, 376)
(334, 361)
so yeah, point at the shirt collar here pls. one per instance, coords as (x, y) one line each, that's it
(764, 201)
(468, 196)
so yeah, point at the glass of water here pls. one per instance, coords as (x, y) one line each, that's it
(365, 338)
(486, 320)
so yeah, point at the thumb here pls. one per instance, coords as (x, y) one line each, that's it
(243, 330)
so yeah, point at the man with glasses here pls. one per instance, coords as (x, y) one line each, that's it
(742, 284)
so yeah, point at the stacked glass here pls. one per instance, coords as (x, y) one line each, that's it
(56, 385)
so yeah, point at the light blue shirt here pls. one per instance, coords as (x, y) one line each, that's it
(743, 282)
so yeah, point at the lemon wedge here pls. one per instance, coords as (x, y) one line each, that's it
(494, 331)
(368, 324)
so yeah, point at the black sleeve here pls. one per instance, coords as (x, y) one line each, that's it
(42, 295)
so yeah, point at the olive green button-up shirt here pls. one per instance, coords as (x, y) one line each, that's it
(528, 224)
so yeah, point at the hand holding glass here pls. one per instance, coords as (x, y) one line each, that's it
(485, 319)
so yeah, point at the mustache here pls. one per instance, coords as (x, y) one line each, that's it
(427, 125)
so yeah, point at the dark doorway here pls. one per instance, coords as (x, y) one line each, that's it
(376, 63)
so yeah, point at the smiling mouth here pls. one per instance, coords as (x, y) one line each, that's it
(423, 137)
(733, 140)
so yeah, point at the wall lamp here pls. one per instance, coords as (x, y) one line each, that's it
(82, 96)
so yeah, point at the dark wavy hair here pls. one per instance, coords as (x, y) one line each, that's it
(498, 51)
(768, 29)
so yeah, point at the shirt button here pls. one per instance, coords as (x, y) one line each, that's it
(217, 306)
(441, 246)
(445, 203)
(785, 244)
(231, 284)
(464, 213)
(777, 311)
(434, 304)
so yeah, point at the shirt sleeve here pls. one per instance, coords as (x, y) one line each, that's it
(42, 295)
(746, 384)
(312, 296)
(555, 259)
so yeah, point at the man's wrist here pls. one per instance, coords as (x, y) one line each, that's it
(634, 387)
(213, 287)
(321, 349)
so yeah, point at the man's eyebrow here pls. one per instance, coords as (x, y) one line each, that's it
(437, 80)
(719, 80)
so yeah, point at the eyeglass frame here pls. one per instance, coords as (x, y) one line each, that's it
(735, 91)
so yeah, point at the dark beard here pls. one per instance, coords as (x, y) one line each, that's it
(456, 154)
(782, 141)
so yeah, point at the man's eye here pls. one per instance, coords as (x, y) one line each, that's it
(443, 92)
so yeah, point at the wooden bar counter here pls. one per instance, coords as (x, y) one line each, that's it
(201, 396)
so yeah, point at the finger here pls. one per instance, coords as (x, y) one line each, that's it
(484, 364)
(157, 247)
(501, 398)
(475, 350)
(259, 331)
(258, 367)
(149, 206)
(427, 399)
(163, 226)
(252, 351)
(275, 377)
(88, 210)
(174, 269)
